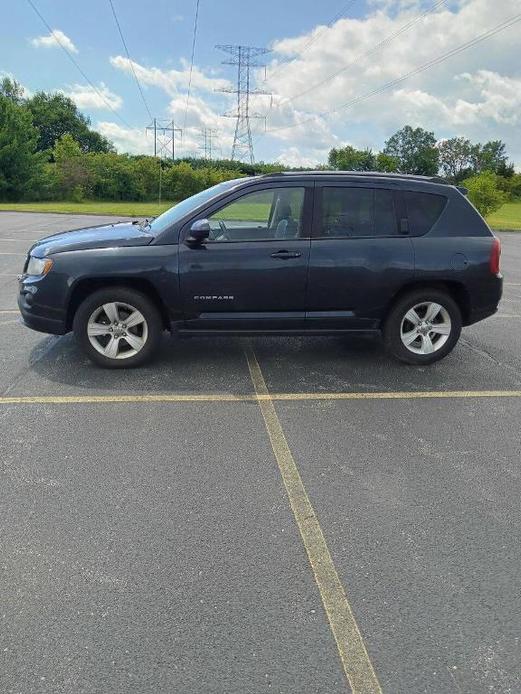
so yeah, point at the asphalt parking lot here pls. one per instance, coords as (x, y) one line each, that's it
(266, 515)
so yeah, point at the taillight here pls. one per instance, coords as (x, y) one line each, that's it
(495, 254)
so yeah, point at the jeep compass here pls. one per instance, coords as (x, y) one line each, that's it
(317, 253)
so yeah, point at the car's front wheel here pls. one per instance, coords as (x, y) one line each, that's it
(423, 326)
(118, 327)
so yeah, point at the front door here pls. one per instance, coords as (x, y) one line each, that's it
(251, 273)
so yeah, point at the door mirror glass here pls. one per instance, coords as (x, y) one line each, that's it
(199, 232)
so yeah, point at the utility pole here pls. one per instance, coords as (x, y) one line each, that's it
(244, 57)
(164, 136)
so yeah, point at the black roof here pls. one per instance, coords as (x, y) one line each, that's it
(361, 174)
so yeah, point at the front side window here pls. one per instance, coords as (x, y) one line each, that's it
(358, 212)
(263, 215)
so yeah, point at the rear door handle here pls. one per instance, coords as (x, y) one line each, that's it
(285, 255)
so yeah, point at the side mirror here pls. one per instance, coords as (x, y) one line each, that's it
(199, 232)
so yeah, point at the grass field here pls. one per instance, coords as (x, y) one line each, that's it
(125, 209)
(508, 217)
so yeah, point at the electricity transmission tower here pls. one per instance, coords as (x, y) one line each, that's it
(207, 135)
(164, 145)
(245, 58)
(164, 137)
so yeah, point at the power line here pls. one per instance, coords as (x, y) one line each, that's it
(129, 58)
(312, 40)
(194, 39)
(381, 44)
(76, 64)
(505, 24)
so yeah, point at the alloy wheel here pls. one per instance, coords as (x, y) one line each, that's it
(117, 330)
(425, 328)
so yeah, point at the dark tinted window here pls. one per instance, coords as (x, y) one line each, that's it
(384, 213)
(357, 212)
(423, 211)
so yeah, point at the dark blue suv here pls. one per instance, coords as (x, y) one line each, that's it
(284, 254)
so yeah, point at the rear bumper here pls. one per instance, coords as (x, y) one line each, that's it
(487, 302)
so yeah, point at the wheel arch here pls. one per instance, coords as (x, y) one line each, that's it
(84, 287)
(458, 292)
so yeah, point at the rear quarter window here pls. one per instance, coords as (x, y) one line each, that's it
(423, 211)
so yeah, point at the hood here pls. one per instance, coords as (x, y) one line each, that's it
(103, 236)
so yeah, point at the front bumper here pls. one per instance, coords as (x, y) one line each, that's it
(38, 316)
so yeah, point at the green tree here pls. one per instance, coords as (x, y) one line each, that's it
(55, 115)
(484, 193)
(491, 156)
(12, 90)
(415, 151)
(19, 163)
(456, 157)
(351, 159)
(386, 163)
(71, 170)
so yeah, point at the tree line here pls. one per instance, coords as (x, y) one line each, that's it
(49, 151)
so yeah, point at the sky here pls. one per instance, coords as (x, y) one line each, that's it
(338, 72)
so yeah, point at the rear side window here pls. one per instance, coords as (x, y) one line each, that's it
(357, 212)
(423, 211)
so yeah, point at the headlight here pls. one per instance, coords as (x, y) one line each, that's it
(38, 266)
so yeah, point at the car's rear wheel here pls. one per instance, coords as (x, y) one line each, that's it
(118, 327)
(423, 326)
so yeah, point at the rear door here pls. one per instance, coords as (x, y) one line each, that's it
(251, 273)
(359, 257)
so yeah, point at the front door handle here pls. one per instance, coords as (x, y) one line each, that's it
(285, 255)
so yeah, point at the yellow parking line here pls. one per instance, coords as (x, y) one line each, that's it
(81, 399)
(9, 310)
(399, 395)
(21, 254)
(253, 397)
(353, 654)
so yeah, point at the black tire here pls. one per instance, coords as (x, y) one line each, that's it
(151, 329)
(393, 325)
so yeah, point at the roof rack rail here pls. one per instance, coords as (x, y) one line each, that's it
(370, 174)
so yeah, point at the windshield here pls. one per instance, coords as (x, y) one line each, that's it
(177, 212)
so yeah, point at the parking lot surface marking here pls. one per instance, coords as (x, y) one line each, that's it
(353, 653)
(253, 397)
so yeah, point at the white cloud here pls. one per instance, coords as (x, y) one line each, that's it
(292, 156)
(85, 96)
(170, 81)
(131, 140)
(482, 103)
(55, 38)
(476, 93)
